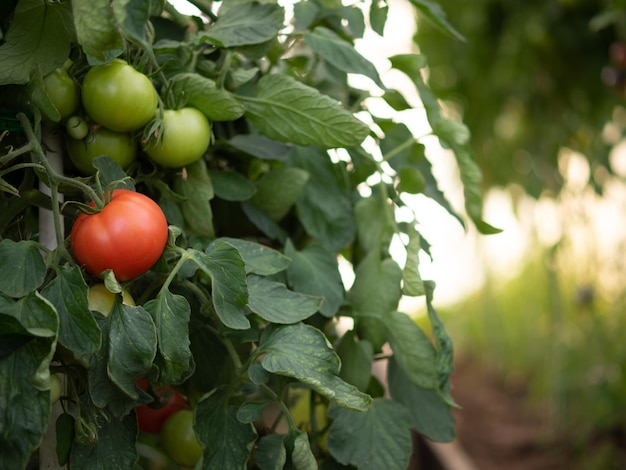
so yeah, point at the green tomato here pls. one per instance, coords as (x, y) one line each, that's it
(118, 96)
(120, 146)
(55, 388)
(62, 91)
(186, 137)
(102, 299)
(179, 440)
(76, 127)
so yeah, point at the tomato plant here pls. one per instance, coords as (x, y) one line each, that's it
(179, 440)
(118, 96)
(127, 236)
(185, 137)
(101, 299)
(120, 146)
(151, 417)
(231, 251)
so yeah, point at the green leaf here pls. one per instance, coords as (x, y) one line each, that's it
(259, 146)
(132, 17)
(227, 442)
(324, 207)
(357, 357)
(314, 271)
(28, 267)
(435, 13)
(197, 190)
(341, 54)
(413, 350)
(96, 29)
(78, 330)
(231, 186)
(171, 314)
(114, 448)
(39, 37)
(24, 376)
(289, 111)
(259, 259)
(396, 100)
(251, 411)
(263, 222)
(302, 457)
(278, 190)
(111, 174)
(203, 93)
(375, 223)
(377, 287)
(64, 428)
(277, 304)
(378, 16)
(247, 23)
(413, 284)
(132, 346)
(430, 416)
(303, 352)
(372, 440)
(228, 282)
(270, 452)
(411, 180)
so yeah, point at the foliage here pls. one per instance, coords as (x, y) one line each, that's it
(531, 78)
(244, 305)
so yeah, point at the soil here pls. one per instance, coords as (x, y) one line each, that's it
(498, 429)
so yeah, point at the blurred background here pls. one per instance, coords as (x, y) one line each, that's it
(537, 312)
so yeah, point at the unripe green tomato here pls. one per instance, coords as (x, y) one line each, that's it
(76, 127)
(55, 388)
(179, 440)
(120, 146)
(102, 299)
(62, 91)
(118, 96)
(185, 139)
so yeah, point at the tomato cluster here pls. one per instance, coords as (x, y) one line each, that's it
(118, 102)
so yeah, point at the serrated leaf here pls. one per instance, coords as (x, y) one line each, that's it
(203, 93)
(132, 17)
(259, 259)
(324, 207)
(413, 284)
(114, 448)
(231, 185)
(315, 271)
(430, 416)
(289, 111)
(277, 304)
(224, 265)
(372, 440)
(132, 346)
(78, 330)
(341, 54)
(39, 37)
(96, 29)
(28, 267)
(226, 441)
(278, 190)
(248, 23)
(171, 314)
(413, 350)
(303, 352)
(435, 13)
(270, 452)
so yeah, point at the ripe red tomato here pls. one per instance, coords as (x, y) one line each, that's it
(118, 96)
(186, 136)
(128, 236)
(151, 417)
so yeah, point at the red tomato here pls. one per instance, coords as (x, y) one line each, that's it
(128, 236)
(151, 418)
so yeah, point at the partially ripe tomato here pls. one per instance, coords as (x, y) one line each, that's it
(62, 91)
(102, 299)
(151, 417)
(186, 134)
(179, 440)
(120, 146)
(127, 236)
(118, 96)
